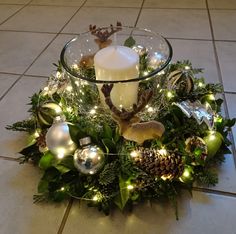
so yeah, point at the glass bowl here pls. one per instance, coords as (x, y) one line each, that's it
(154, 51)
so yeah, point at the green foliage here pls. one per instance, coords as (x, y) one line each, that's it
(87, 117)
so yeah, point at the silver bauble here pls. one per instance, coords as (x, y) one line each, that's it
(58, 140)
(89, 159)
(140, 50)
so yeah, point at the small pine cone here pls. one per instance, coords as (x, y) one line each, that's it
(143, 182)
(160, 164)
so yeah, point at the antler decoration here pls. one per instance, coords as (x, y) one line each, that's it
(102, 41)
(103, 34)
(129, 124)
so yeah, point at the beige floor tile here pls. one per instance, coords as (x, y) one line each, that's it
(114, 3)
(204, 213)
(219, 4)
(200, 53)
(14, 108)
(44, 64)
(7, 10)
(58, 2)
(175, 4)
(6, 81)
(226, 175)
(18, 213)
(181, 23)
(231, 100)
(226, 52)
(18, 50)
(40, 19)
(90, 15)
(223, 22)
(14, 1)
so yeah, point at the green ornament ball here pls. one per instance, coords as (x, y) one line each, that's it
(47, 113)
(213, 141)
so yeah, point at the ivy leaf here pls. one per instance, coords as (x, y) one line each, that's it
(109, 144)
(31, 140)
(43, 186)
(129, 42)
(122, 198)
(75, 132)
(107, 131)
(68, 162)
(47, 160)
(62, 169)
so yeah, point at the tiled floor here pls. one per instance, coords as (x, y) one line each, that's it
(32, 34)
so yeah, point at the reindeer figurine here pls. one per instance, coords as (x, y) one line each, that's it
(129, 124)
(102, 41)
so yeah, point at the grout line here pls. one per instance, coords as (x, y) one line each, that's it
(41, 53)
(65, 216)
(221, 80)
(174, 8)
(72, 34)
(140, 10)
(230, 92)
(84, 6)
(9, 158)
(15, 12)
(215, 192)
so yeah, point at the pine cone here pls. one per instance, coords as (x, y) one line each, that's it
(159, 164)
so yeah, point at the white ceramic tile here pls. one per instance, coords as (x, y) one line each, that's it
(227, 57)
(14, 108)
(44, 64)
(204, 213)
(6, 81)
(114, 3)
(176, 23)
(200, 53)
(175, 4)
(219, 4)
(231, 100)
(7, 10)
(40, 19)
(100, 17)
(223, 22)
(58, 2)
(18, 50)
(18, 213)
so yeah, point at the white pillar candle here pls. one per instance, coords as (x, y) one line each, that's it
(118, 63)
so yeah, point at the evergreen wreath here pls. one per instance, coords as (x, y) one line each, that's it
(193, 144)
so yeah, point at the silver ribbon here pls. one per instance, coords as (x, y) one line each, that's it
(197, 111)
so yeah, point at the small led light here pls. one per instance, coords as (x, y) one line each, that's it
(62, 189)
(169, 94)
(211, 97)
(69, 109)
(75, 66)
(92, 112)
(134, 154)
(163, 151)
(187, 68)
(150, 109)
(186, 173)
(61, 153)
(130, 187)
(69, 88)
(95, 198)
(36, 134)
(200, 84)
(145, 73)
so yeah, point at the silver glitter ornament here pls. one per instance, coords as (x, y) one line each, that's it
(58, 140)
(198, 111)
(90, 158)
